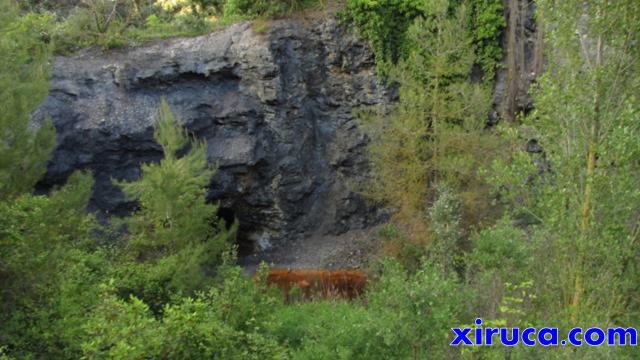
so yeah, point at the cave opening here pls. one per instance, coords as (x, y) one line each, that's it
(246, 246)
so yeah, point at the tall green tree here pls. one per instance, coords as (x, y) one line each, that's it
(24, 83)
(48, 261)
(586, 120)
(175, 237)
(436, 132)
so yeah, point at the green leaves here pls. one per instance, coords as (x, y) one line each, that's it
(48, 267)
(384, 23)
(580, 190)
(192, 328)
(176, 236)
(24, 82)
(489, 21)
(436, 133)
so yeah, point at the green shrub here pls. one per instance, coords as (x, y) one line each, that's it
(488, 23)
(446, 231)
(42, 310)
(417, 310)
(388, 231)
(330, 330)
(501, 247)
(87, 26)
(499, 268)
(176, 239)
(405, 316)
(24, 83)
(384, 23)
(229, 321)
(258, 8)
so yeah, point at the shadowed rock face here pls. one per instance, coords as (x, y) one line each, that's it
(522, 63)
(275, 110)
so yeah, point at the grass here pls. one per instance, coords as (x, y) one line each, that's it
(77, 30)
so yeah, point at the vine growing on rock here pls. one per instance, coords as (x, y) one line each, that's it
(385, 23)
(488, 23)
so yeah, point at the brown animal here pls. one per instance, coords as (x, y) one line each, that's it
(346, 284)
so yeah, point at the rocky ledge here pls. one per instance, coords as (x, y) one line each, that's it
(275, 108)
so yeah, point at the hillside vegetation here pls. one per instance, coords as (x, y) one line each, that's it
(483, 227)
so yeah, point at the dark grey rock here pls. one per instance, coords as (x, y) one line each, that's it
(528, 61)
(275, 110)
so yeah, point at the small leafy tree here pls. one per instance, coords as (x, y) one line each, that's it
(24, 82)
(385, 23)
(436, 134)
(175, 237)
(229, 321)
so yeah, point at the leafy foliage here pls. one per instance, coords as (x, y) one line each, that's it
(586, 121)
(175, 238)
(407, 316)
(192, 329)
(168, 287)
(488, 23)
(435, 135)
(23, 85)
(117, 23)
(384, 23)
(41, 310)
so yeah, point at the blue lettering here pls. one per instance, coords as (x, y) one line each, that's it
(573, 340)
(461, 336)
(526, 339)
(488, 335)
(622, 335)
(544, 340)
(588, 338)
(478, 332)
(515, 332)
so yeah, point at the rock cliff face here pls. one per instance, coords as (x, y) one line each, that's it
(274, 108)
(522, 47)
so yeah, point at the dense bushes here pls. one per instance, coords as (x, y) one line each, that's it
(385, 23)
(253, 8)
(407, 316)
(435, 138)
(192, 328)
(23, 85)
(42, 312)
(488, 22)
(115, 23)
(167, 286)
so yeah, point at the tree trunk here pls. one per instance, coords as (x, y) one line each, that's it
(587, 199)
